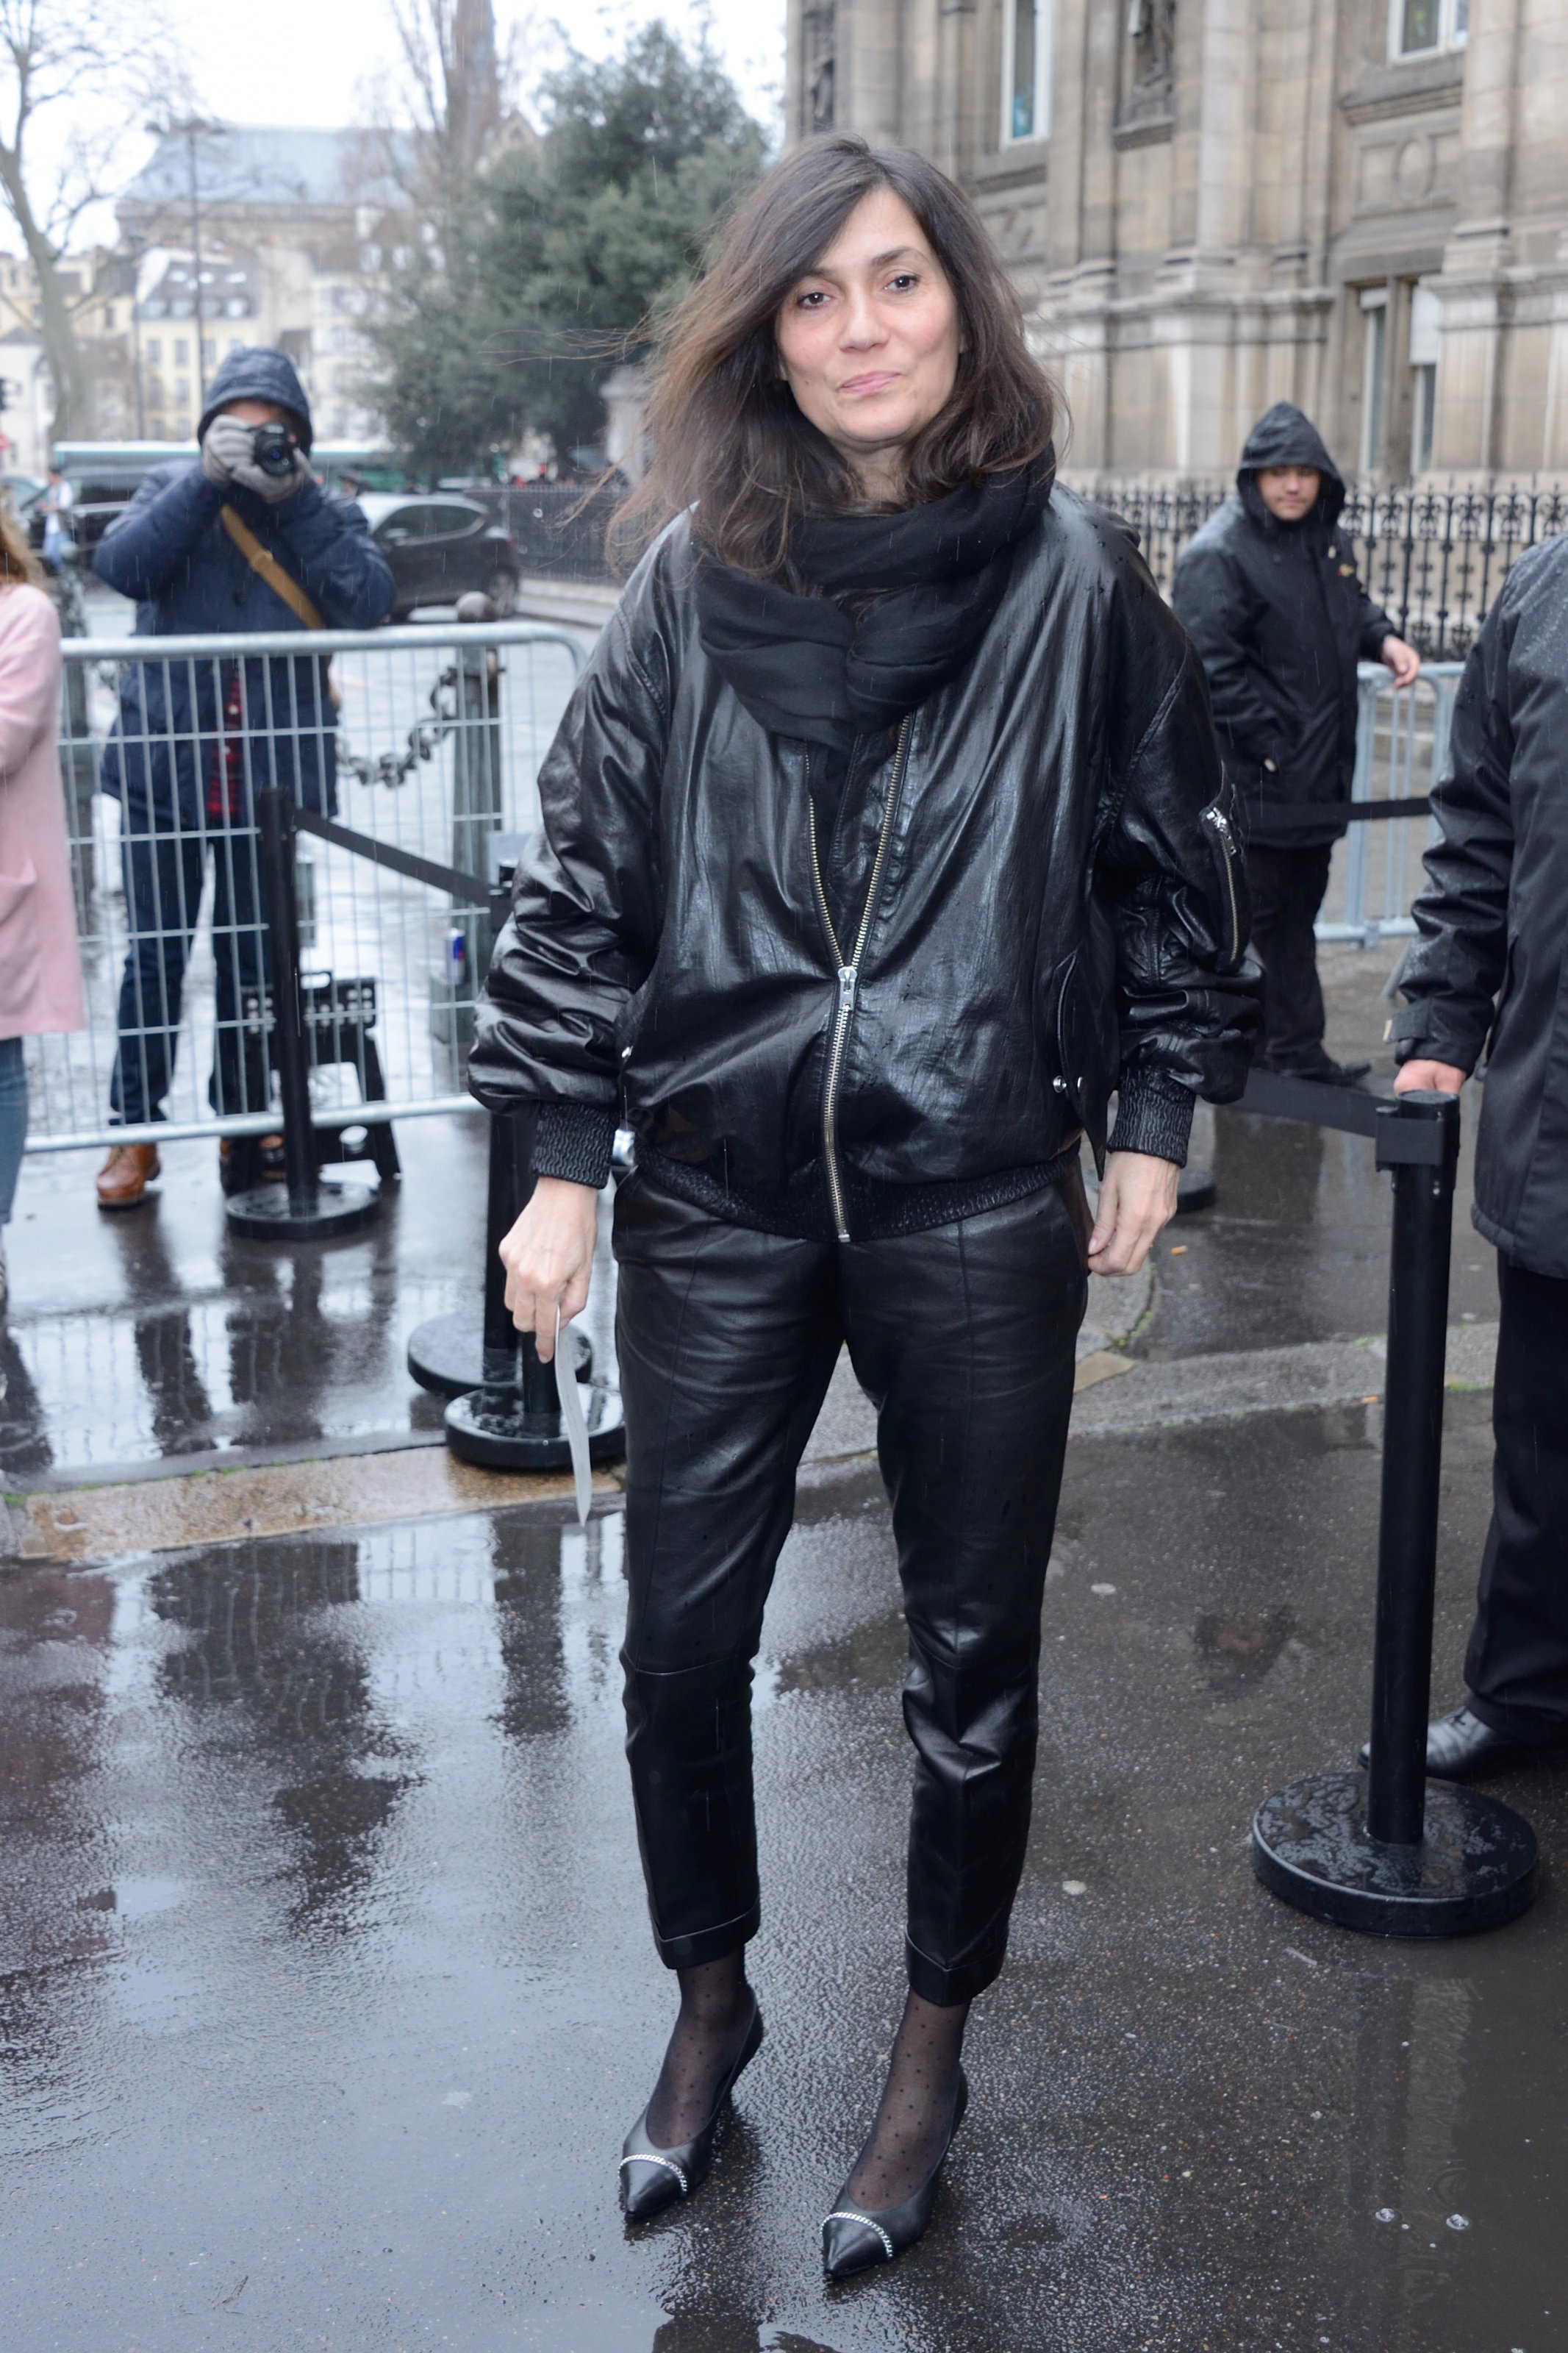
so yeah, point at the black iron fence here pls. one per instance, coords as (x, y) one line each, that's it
(1434, 559)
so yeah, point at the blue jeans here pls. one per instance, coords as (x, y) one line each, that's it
(13, 1121)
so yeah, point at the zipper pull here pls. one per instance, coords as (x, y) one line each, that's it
(848, 977)
(1221, 824)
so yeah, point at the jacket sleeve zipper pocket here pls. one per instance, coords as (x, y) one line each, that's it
(1215, 817)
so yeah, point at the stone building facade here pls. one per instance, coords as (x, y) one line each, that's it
(1208, 205)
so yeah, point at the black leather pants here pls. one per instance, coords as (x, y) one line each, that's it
(963, 1337)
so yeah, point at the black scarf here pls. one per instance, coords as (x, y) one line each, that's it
(830, 666)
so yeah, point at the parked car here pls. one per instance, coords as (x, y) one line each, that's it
(22, 489)
(441, 547)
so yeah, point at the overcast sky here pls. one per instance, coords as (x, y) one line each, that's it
(317, 61)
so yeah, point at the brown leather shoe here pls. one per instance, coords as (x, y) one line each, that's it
(126, 1173)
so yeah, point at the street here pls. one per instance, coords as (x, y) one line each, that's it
(327, 1991)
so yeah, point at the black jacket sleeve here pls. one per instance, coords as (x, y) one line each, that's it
(586, 905)
(1211, 598)
(1455, 969)
(1171, 870)
(1374, 624)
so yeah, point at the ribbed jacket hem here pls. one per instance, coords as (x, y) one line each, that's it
(875, 1212)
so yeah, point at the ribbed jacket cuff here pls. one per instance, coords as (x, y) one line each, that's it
(1154, 1115)
(575, 1141)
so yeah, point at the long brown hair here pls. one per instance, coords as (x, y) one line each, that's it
(724, 428)
(18, 561)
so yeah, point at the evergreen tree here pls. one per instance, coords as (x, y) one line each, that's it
(568, 247)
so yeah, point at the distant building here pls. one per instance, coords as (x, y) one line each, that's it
(1209, 205)
(268, 236)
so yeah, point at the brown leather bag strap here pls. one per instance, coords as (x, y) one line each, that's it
(262, 562)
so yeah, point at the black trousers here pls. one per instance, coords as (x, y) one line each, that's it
(963, 1337)
(1288, 888)
(1517, 1663)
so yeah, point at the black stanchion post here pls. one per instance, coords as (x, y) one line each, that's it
(447, 1353)
(512, 1421)
(302, 1209)
(1404, 1856)
(1412, 1463)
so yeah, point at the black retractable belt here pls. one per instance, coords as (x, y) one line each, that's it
(1397, 1855)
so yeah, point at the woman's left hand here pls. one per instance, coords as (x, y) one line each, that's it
(1137, 1197)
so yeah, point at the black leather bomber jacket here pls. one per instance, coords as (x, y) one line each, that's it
(1049, 905)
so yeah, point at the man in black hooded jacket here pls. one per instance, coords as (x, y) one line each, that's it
(1268, 592)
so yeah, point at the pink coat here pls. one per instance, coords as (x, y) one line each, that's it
(41, 971)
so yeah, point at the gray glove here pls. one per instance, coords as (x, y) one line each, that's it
(228, 456)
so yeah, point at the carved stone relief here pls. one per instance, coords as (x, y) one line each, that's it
(1146, 111)
(819, 34)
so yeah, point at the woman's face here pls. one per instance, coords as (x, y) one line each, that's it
(868, 340)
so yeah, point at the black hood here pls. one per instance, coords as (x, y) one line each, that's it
(1284, 437)
(257, 372)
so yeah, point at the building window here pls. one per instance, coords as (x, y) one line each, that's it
(1025, 68)
(155, 350)
(1417, 28)
(1373, 372)
(1425, 313)
(182, 353)
(182, 388)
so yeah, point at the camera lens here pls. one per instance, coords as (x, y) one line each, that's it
(272, 449)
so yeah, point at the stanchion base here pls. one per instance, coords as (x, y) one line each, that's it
(264, 1215)
(1475, 1869)
(490, 1428)
(447, 1354)
(1196, 1189)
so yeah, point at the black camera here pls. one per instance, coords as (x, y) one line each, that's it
(272, 448)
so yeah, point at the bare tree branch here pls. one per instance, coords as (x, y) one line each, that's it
(119, 55)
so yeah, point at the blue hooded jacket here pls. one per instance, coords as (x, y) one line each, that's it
(171, 552)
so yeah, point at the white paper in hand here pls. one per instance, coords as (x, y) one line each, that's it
(572, 1419)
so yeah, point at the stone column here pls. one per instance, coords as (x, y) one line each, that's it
(870, 63)
(1473, 284)
(955, 86)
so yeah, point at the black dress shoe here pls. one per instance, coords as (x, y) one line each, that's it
(1461, 1747)
(1327, 1073)
(653, 2178)
(855, 2237)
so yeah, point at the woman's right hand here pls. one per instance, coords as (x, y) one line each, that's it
(548, 1257)
(1429, 1078)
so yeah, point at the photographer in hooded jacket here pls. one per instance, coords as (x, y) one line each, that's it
(245, 540)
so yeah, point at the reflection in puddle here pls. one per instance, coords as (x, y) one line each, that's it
(725, 2335)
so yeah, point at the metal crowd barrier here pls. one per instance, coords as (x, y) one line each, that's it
(1402, 741)
(433, 736)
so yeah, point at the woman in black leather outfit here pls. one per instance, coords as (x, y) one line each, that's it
(885, 839)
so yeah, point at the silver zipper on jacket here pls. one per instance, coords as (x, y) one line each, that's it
(849, 973)
(1215, 817)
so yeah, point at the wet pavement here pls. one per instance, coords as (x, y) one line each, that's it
(326, 1993)
(325, 1990)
